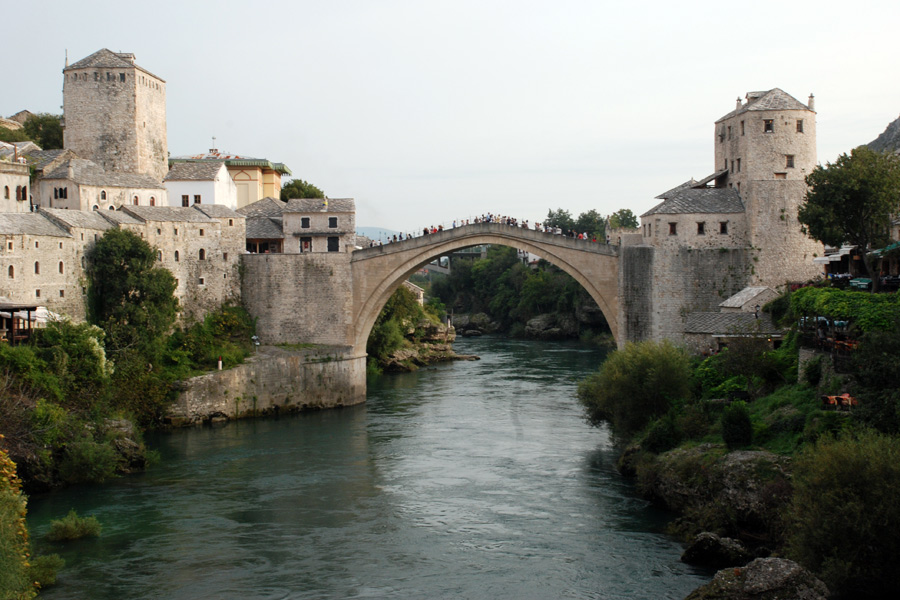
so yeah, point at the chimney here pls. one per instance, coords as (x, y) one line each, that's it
(70, 172)
(738, 107)
(812, 103)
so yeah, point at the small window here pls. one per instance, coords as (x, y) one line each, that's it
(231, 222)
(103, 194)
(742, 128)
(732, 166)
(332, 222)
(201, 233)
(62, 268)
(701, 228)
(135, 200)
(11, 272)
(799, 125)
(185, 200)
(176, 256)
(768, 126)
(6, 192)
(788, 161)
(739, 187)
(37, 268)
(62, 293)
(37, 244)
(673, 228)
(202, 254)
(738, 165)
(37, 293)
(723, 227)
(196, 198)
(95, 207)
(112, 207)
(729, 132)
(304, 222)
(201, 281)
(121, 76)
(159, 255)
(9, 245)
(152, 201)
(334, 244)
(224, 256)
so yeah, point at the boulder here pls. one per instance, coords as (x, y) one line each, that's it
(590, 315)
(544, 327)
(763, 579)
(710, 550)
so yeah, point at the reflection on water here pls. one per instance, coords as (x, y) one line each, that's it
(464, 480)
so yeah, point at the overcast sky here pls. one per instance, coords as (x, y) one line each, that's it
(425, 111)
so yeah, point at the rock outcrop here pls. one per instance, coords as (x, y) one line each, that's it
(763, 579)
(710, 550)
(889, 140)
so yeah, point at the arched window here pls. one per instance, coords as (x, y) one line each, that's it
(103, 194)
(135, 200)
(18, 192)
(12, 272)
(6, 192)
(111, 207)
(37, 268)
(96, 207)
(202, 254)
(24, 193)
(62, 268)
(152, 201)
(159, 255)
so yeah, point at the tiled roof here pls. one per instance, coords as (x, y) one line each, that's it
(701, 201)
(77, 218)
(86, 172)
(774, 99)
(117, 217)
(737, 323)
(21, 148)
(231, 160)
(29, 224)
(690, 182)
(744, 296)
(106, 59)
(267, 207)
(194, 171)
(304, 205)
(39, 159)
(264, 228)
(217, 211)
(173, 214)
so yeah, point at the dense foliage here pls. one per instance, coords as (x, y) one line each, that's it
(73, 527)
(845, 513)
(877, 374)
(623, 218)
(636, 384)
(400, 323)
(868, 312)
(43, 129)
(14, 547)
(297, 188)
(853, 200)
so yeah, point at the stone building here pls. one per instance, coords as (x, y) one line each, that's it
(206, 182)
(709, 239)
(255, 178)
(115, 114)
(14, 187)
(320, 225)
(80, 184)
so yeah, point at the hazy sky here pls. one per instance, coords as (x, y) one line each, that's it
(425, 111)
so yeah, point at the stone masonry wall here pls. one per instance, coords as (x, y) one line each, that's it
(299, 297)
(272, 382)
(635, 300)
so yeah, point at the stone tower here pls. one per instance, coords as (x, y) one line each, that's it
(764, 149)
(115, 114)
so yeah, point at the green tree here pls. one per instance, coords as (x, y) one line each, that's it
(635, 385)
(623, 218)
(129, 296)
(593, 223)
(297, 188)
(45, 130)
(13, 135)
(877, 371)
(851, 201)
(845, 514)
(560, 218)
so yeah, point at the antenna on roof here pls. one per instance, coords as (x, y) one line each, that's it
(67, 57)
(213, 149)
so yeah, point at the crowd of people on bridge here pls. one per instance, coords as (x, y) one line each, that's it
(492, 218)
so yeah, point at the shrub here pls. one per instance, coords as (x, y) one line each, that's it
(662, 435)
(73, 527)
(846, 515)
(737, 430)
(635, 385)
(14, 582)
(812, 371)
(43, 569)
(88, 461)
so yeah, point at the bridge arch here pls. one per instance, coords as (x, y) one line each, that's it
(377, 272)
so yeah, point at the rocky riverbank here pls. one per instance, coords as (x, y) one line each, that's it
(546, 326)
(429, 343)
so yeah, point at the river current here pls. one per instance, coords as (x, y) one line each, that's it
(463, 480)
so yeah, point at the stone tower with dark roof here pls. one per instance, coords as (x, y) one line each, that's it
(115, 114)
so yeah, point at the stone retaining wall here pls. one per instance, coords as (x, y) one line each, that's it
(274, 381)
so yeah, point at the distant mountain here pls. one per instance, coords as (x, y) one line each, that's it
(889, 140)
(376, 233)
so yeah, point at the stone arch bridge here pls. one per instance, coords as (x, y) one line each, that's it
(333, 298)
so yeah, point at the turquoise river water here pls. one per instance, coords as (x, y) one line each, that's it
(464, 480)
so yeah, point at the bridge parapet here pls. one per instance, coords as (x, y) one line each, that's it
(508, 232)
